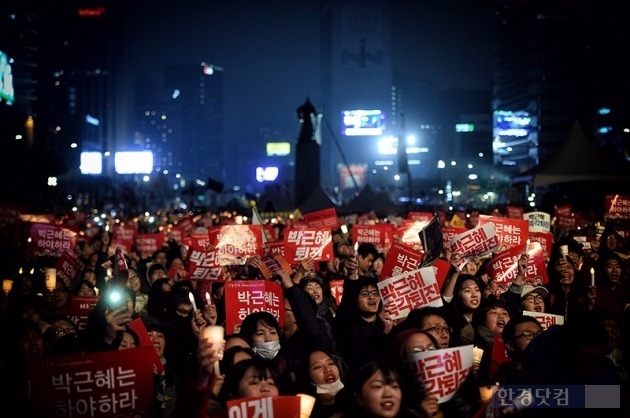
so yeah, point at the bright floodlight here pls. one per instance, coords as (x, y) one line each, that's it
(91, 163)
(133, 162)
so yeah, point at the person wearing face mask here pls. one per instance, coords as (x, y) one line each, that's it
(262, 332)
(320, 374)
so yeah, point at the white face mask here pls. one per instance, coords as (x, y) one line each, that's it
(267, 350)
(330, 388)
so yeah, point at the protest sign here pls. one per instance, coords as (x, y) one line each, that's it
(442, 372)
(303, 243)
(98, 385)
(411, 290)
(247, 296)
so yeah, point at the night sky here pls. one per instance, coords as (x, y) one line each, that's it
(270, 50)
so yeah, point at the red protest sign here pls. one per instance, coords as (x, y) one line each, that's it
(99, 385)
(265, 407)
(124, 232)
(515, 212)
(336, 289)
(618, 206)
(79, 310)
(400, 258)
(410, 290)
(510, 232)
(147, 244)
(443, 371)
(247, 296)
(503, 267)
(326, 218)
(204, 265)
(545, 239)
(67, 269)
(236, 243)
(302, 243)
(51, 240)
(381, 235)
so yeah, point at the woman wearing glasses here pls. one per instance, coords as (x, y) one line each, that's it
(409, 341)
(362, 325)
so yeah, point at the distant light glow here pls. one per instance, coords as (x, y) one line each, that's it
(464, 127)
(91, 120)
(266, 174)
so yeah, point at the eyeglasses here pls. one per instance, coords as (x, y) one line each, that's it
(422, 349)
(440, 330)
(366, 293)
(528, 335)
(534, 299)
(61, 331)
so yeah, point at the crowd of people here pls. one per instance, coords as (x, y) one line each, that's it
(352, 356)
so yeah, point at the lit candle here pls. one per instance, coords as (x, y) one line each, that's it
(96, 291)
(7, 284)
(526, 246)
(592, 276)
(192, 300)
(51, 279)
(208, 298)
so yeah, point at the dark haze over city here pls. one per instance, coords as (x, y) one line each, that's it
(447, 63)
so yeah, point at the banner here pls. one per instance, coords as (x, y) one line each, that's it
(510, 232)
(381, 235)
(147, 244)
(79, 310)
(503, 267)
(99, 385)
(236, 243)
(326, 218)
(265, 407)
(538, 221)
(204, 265)
(442, 372)
(336, 289)
(475, 242)
(514, 212)
(400, 259)
(51, 240)
(247, 296)
(124, 232)
(67, 269)
(409, 291)
(302, 243)
(618, 206)
(546, 319)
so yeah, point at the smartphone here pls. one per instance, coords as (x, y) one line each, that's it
(116, 299)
